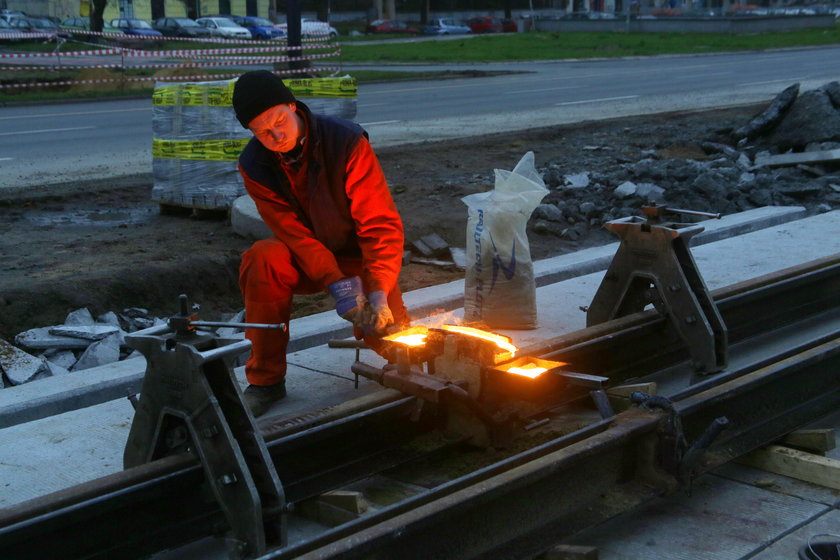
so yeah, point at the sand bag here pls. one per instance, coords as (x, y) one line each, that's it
(500, 291)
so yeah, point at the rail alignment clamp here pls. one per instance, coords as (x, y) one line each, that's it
(653, 265)
(191, 401)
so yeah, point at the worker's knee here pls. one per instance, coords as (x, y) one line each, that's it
(267, 251)
(267, 265)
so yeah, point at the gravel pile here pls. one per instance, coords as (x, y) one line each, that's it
(723, 173)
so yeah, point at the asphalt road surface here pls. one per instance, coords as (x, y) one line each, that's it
(49, 144)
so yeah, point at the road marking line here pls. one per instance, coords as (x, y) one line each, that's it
(45, 130)
(73, 114)
(377, 122)
(543, 89)
(419, 89)
(360, 105)
(706, 75)
(598, 100)
(771, 82)
(6, 158)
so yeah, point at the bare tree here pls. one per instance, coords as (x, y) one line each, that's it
(424, 12)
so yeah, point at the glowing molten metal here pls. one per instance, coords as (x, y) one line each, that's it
(499, 340)
(412, 339)
(528, 370)
(414, 336)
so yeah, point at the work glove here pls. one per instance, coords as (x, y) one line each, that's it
(350, 300)
(378, 316)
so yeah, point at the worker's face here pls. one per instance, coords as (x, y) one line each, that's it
(277, 128)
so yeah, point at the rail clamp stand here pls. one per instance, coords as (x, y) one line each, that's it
(653, 265)
(191, 401)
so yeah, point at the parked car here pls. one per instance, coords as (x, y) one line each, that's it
(446, 26)
(391, 26)
(6, 12)
(7, 33)
(260, 28)
(83, 24)
(224, 27)
(509, 26)
(46, 25)
(130, 26)
(24, 24)
(180, 27)
(484, 24)
(312, 28)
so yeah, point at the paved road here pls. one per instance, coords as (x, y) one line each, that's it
(81, 141)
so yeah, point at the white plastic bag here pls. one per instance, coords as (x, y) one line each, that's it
(500, 291)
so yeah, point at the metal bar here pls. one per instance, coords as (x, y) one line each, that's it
(277, 326)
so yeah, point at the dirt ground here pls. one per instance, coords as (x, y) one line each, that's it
(106, 246)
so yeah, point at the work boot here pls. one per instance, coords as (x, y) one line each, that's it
(259, 398)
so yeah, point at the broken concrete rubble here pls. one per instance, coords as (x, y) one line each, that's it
(79, 317)
(80, 343)
(99, 353)
(17, 366)
(85, 332)
(811, 118)
(714, 174)
(770, 117)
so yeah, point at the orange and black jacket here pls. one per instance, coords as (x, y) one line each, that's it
(343, 206)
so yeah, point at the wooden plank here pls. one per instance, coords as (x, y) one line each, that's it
(785, 461)
(813, 441)
(626, 390)
(620, 396)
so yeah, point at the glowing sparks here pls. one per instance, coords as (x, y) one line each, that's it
(500, 340)
(528, 370)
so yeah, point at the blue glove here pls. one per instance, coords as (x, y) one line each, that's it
(350, 300)
(378, 315)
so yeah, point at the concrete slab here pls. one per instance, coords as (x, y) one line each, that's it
(722, 520)
(61, 451)
(788, 546)
(778, 483)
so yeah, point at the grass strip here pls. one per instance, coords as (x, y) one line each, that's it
(555, 46)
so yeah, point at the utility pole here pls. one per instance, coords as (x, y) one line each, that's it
(293, 34)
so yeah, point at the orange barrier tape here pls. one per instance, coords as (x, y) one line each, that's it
(68, 53)
(310, 37)
(190, 64)
(183, 52)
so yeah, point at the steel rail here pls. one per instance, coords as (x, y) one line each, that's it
(522, 510)
(164, 498)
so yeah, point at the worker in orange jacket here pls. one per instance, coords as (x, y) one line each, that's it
(318, 185)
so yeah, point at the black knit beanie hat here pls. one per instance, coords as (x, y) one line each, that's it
(257, 91)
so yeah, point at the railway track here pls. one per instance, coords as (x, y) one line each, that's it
(784, 353)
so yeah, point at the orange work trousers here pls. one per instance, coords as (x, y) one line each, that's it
(268, 278)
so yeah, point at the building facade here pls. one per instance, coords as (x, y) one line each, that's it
(142, 9)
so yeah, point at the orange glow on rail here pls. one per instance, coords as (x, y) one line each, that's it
(414, 336)
(411, 339)
(500, 340)
(528, 370)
